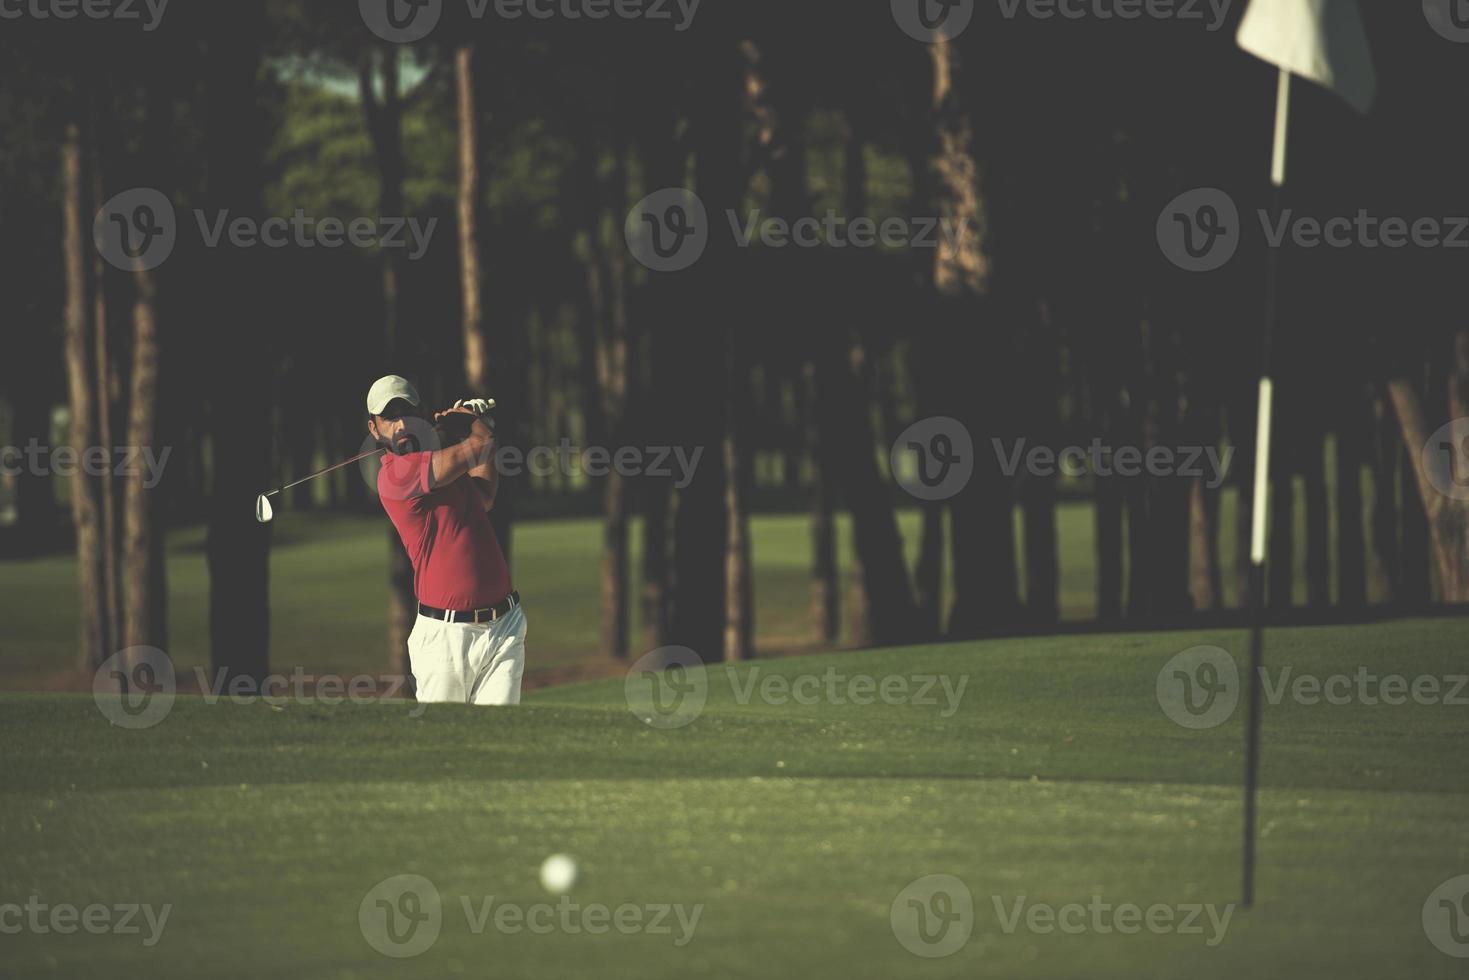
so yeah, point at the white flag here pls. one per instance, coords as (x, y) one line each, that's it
(1322, 40)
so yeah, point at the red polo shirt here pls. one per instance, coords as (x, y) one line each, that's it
(457, 562)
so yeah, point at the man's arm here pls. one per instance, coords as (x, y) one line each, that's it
(487, 481)
(474, 453)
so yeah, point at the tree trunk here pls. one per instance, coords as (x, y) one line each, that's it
(1386, 568)
(238, 546)
(825, 583)
(145, 621)
(604, 364)
(1204, 584)
(385, 126)
(842, 411)
(981, 527)
(662, 158)
(739, 584)
(1318, 525)
(93, 642)
(1442, 519)
(1109, 510)
(1038, 492)
(1351, 550)
(105, 377)
(476, 356)
(698, 348)
(35, 503)
(1282, 522)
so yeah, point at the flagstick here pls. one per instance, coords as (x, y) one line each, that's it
(1262, 500)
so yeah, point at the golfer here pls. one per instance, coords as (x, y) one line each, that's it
(468, 641)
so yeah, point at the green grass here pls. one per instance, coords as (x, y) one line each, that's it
(1057, 778)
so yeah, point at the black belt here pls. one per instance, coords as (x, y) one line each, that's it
(473, 615)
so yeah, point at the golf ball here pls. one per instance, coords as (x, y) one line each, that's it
(558, 874)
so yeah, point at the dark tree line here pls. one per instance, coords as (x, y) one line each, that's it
(1057, 320)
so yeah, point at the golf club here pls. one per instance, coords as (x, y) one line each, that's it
(264, 513)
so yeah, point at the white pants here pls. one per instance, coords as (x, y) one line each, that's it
(468, 663)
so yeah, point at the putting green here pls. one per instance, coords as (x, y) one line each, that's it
(774, 832)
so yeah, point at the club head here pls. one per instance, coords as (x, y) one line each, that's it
(264, 513)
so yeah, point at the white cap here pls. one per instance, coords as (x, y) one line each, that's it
(386, 389)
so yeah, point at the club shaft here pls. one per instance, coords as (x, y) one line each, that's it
(329, 469)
